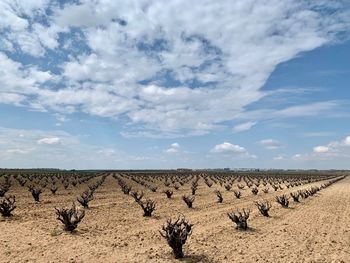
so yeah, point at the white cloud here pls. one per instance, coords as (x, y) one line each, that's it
(271, 144)
(347, 141)
(324, 108)
(174, 148)
(171, 150)
(233, 151)
(321, 149)
(28, 148)
(29, 43)
(49, 141)
(60, 119)
(339, 146)
(107, 152)
(48, 36)
(11, 98)
(310, 109)
(19, 82)
(175, 145)
(335, 150)
(19, 151)
(227, 147)
(297, 157)
(17, 22)
(279, 158)
(136, 47)
(244, 126)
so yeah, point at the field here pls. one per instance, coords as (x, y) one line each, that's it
(315, 229)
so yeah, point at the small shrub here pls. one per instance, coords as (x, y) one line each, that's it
(176, 234)
(282, 200)
(21, 181)
(36, 192)
(314, 190)
(264, 207)
(153, 188)
(228, 187)
(126, 189)
(194, 187)
(93, 187)
(7, 205)
(85, 198)
(219, 196)
(70, 217)
(237, 194)
(240, 219)
(255, 190)
(168, 193)
(148, 207)
(53, 189)
(188, 200)
(65, 184)
(304, 193)
(208, 183)
(4, 189)
(295, 197)
(137, 196)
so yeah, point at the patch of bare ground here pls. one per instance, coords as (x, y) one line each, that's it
(114, 230)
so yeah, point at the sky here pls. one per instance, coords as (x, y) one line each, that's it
(108, 84)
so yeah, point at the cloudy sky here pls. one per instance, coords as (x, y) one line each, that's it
(165, 84)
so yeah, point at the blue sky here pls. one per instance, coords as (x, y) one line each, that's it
(155, 84)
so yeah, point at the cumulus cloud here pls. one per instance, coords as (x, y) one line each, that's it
(297, 157)
(171, 150)
(347, 141)
(175, 145)
(161, 73)
(333, 150)
(321, 149)
(227, 147)
(174, 148)
(232, 150)
(335, 146)
(270, 144)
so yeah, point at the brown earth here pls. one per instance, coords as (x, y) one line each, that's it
(114, 230)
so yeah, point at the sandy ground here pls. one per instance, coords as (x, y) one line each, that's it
(114, 230)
